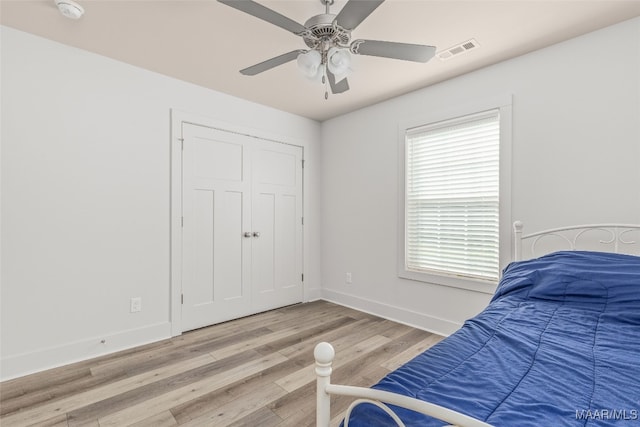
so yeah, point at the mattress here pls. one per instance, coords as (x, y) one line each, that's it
(559, 345)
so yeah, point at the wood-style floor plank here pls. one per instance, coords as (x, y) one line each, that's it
(253, 371)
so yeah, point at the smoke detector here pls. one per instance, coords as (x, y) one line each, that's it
(70, 9)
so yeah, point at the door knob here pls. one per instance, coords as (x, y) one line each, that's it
(256, 234)
(247, 234)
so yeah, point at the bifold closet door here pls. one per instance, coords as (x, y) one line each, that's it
(276, 267)
(216, 200)
(242, 232)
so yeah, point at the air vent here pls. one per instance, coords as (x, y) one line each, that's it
(458, 49)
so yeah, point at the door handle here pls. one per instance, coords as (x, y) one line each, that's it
(256, 234)
(247, 234)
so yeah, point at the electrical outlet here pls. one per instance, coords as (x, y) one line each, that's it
(136, 305)
(348, 279)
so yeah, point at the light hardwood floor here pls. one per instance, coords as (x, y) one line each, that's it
(254, 371)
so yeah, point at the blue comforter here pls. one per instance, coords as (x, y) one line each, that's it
(559, 345)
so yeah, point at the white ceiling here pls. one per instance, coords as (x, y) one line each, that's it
(206, 42)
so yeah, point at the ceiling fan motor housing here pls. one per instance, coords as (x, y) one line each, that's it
(321, 29)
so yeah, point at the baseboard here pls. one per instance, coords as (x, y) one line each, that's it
(397, 314)
(28, 363)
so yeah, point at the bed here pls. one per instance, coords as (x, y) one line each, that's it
(558, 345)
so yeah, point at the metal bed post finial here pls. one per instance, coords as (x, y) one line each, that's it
(517, 236)
(324, 354)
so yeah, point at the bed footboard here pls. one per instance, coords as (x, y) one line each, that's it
(324, 354)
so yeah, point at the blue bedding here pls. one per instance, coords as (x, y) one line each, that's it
(559, 345)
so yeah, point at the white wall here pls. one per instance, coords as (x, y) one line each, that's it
(86, 201)
(85, 197)
(576, 159)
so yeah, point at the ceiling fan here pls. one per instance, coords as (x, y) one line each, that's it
(328, 38)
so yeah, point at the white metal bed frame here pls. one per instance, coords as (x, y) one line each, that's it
(616, 238)
(619, 239)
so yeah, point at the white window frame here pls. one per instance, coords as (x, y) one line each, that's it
(504, 105)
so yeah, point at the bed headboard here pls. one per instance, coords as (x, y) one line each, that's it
(617, 238)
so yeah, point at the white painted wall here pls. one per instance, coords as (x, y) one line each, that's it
(576, 159)
(85, 181)
(85, 198)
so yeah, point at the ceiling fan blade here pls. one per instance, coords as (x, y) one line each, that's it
(271, 63)
(355, 11)
(266, 14)
(404, 51)
(337, 87)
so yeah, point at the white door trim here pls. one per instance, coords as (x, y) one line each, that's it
(177, 119)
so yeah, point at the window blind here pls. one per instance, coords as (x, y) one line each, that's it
(452, 197)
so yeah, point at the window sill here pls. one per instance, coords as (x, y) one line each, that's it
(476, 285)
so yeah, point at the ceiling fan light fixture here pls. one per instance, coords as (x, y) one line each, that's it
(70, 9)
(339, 62)
(309, 63)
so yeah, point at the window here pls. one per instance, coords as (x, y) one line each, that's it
(452, 200)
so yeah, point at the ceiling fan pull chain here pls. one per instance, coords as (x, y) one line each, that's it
(323, 64)
(325, 83)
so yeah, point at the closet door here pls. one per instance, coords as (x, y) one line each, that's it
(216, 271)
(242, 225)
(276, 267)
